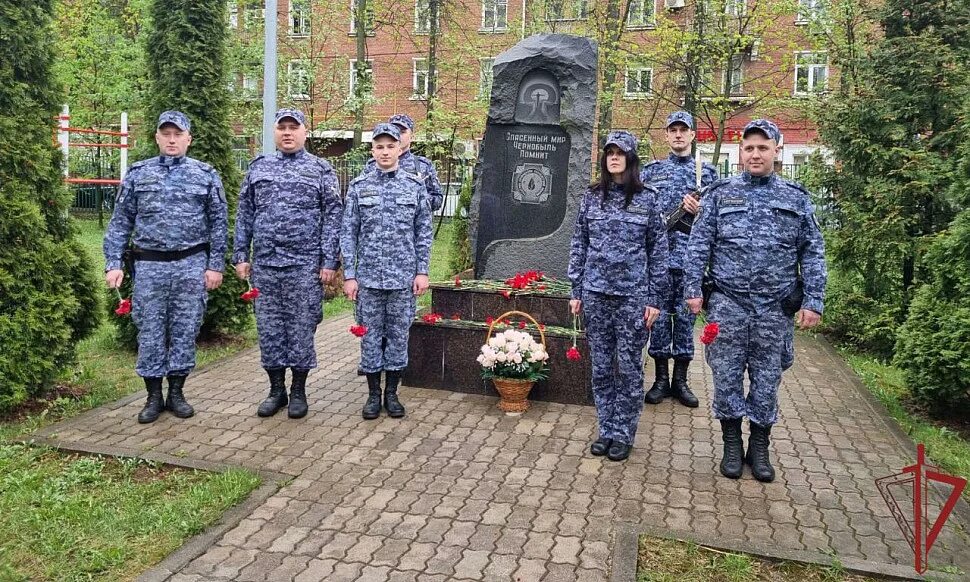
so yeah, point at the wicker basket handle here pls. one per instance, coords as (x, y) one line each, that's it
(496, 321)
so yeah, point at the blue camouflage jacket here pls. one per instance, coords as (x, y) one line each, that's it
(757, 234)
(386, 235)
(421, 167)
(619, 251)
(674, 177)
(289, 212)
(169, 203)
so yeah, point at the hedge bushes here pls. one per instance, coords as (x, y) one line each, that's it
(48, 291)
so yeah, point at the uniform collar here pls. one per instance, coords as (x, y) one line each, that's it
(407, 153)
(171, 160)
(757, 180)
(679, 159)
(388, 174)
(294, 156)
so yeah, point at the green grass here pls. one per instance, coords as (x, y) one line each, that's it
(662, 560)
(944, 446)
(92, 518)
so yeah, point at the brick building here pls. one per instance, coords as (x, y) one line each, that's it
(774, 73)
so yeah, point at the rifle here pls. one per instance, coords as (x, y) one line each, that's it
(679, 218)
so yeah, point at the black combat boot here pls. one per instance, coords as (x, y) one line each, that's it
(392, 405)
(679, 388)
(298, 407)
(155, 403)
(176, 403)
(758, 453)
(661, 384)
(618, 451)
(277, 393)
(372, 408)
(600, 446)
(732, 461)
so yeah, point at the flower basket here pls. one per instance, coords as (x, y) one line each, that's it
(514, 362)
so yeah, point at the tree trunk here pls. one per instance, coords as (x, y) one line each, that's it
(360, 17)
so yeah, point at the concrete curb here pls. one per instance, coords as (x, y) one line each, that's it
(626, 544)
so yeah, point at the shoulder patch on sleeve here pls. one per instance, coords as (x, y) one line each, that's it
(714, 186)
(139, 164)
(796, 186)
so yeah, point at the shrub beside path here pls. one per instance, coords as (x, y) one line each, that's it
(458, 491)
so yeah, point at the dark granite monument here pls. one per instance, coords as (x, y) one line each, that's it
(535, 159)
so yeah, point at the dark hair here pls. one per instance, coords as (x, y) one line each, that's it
(630, 179)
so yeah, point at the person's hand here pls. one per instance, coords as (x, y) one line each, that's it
(695, 304)
(327, 275)
(243, 270)
(807, 319)
(575, 306)
(350, 289)
(213, 280)
(691, 204)
(420, 285)
(114, 277)
(650, 315)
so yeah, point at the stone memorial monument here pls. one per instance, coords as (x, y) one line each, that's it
(534, 163)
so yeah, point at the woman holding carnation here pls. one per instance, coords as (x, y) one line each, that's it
(618, 270)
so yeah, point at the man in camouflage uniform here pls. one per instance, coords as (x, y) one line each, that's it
(758, 236)
(673, 335)
(173, 210)
(288, 227)
(411, 163)
(386, 246)
(618, 271)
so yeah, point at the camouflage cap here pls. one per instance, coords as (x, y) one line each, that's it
(386, 129)
(621, 139)
(402, 119)
(295, 114)
(765, 126)
(680, 117)
(176, 118)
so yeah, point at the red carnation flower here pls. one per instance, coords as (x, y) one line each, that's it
(573, 354)
(542, 287)
(431, 318)
(522, 324)
(710, 333)
(455, 317)
(124, 308)
(489, 320)
(506, 293)
(250, 295)
(358, 330)
(457, 281)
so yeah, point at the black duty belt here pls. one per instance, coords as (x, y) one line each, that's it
(168, 256)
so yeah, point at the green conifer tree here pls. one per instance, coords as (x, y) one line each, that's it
(48, 290)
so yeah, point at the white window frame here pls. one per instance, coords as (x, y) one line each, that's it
(298, 67)
(737, 66)
(422, 17)
(643, 20)
(353, 18)
(419, 77)
(485, 77)
(808, 10)
(353, 76)
(250, 84)
(735, 7)
(299, 18)
(232, 10)
(253, 17)
(572, 10)
(499, 10)
(810, 69)
(638, 71)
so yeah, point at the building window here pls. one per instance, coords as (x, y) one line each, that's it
(419, 78)
(495, 15)
(566, 10)
(422, 16)
(299, 17)
(641, 14)
(737, 77)
(298, 79)
(734, 7)
(367, 80)
(811, 73)
(368, 16)
(250, 85)
(639, 83)
(808, 10)
(253, 16)
(485, 77)
(232, 10)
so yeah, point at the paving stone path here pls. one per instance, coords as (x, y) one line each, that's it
(458, 491)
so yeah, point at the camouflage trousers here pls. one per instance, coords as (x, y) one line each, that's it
(617, 335)
(672, 335)
(760, 343)
(387, 314)
(168, 304)
(288, 311)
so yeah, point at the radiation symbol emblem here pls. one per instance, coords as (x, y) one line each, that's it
(531, 184)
